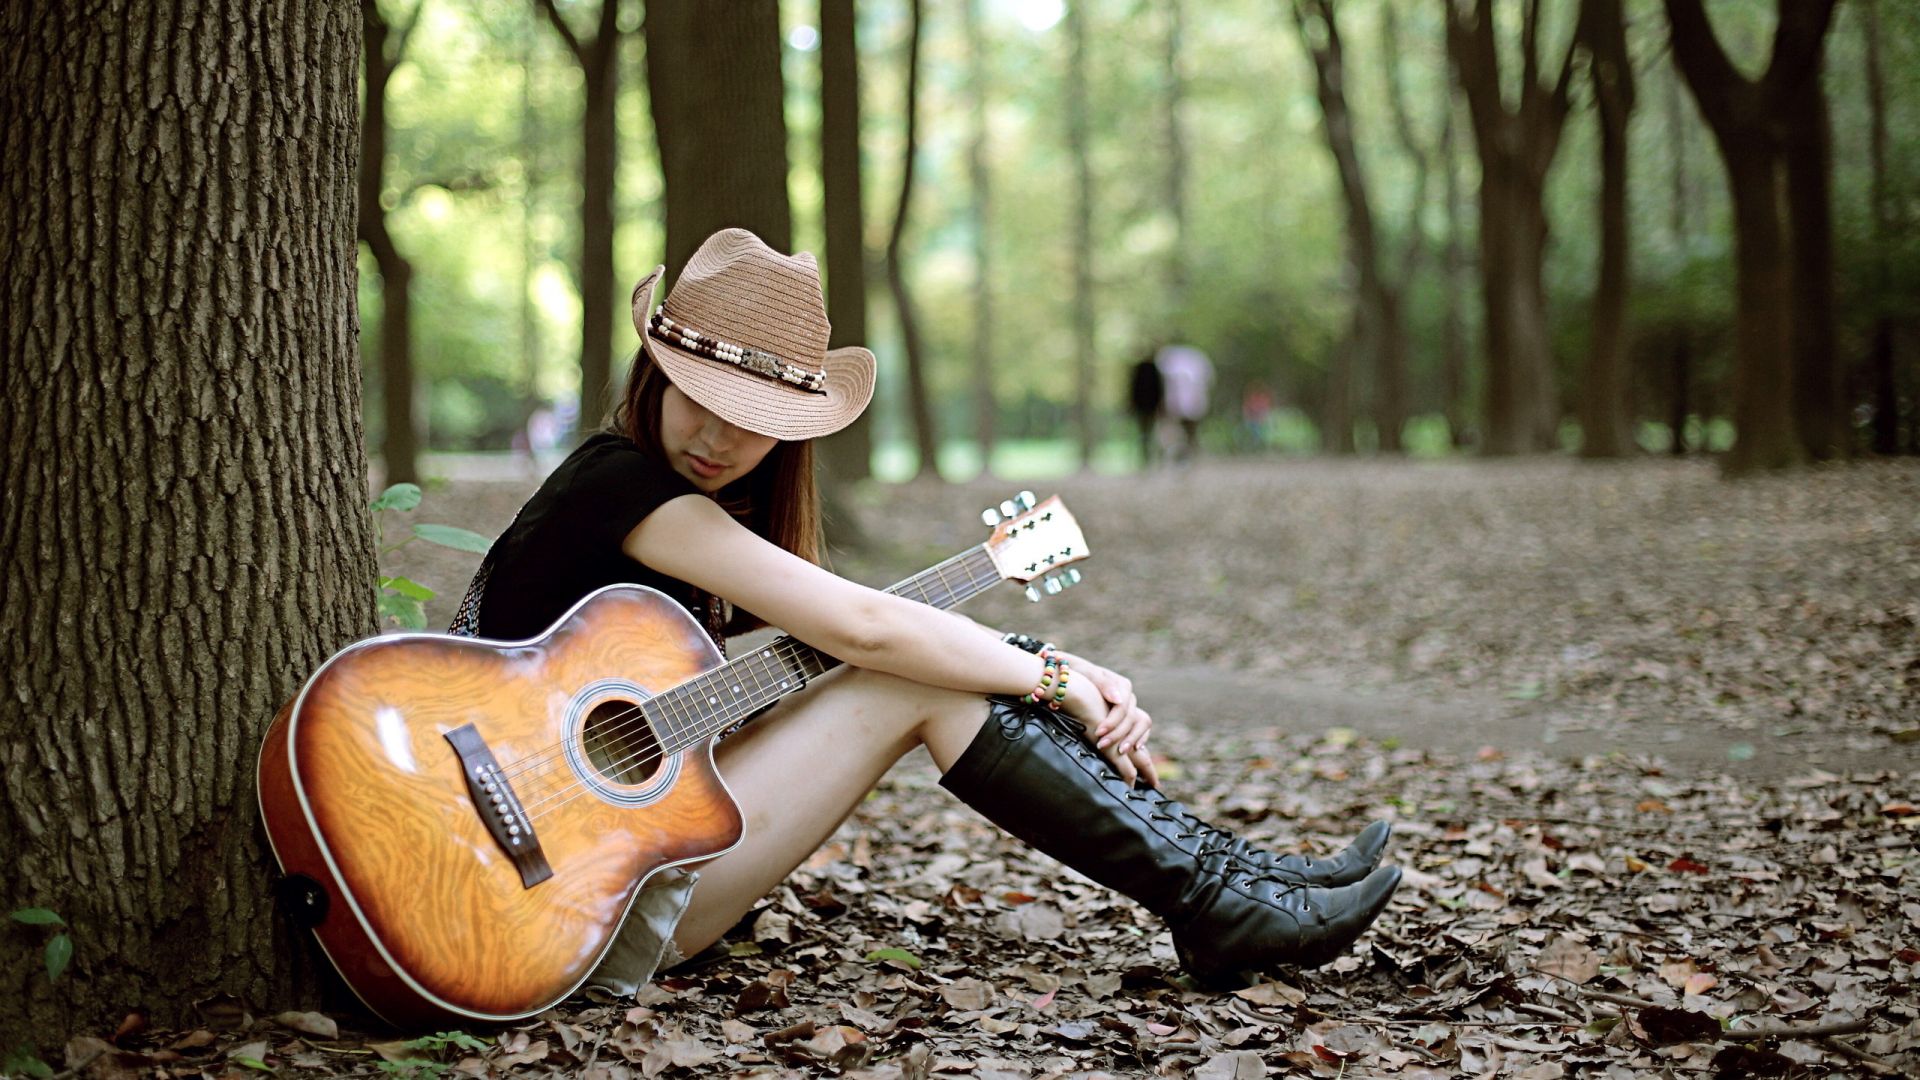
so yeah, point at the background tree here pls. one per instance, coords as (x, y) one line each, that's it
(1454, 348)
(1880, 364)
(186, 514)
(1603, 415)
(599, 60)
(1176, 152)
(1746, 118)
(1516, 148)
(980, 183)
(1080, 146)
(925, 439)
(382, 51)
(714, 84)
(848, 454)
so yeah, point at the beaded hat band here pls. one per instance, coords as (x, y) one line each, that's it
(746, 357)
(745, 335)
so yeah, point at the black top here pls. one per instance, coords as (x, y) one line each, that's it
(566, 541)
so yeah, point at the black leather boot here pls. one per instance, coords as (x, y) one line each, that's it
(1348, 865)
(1035, 774)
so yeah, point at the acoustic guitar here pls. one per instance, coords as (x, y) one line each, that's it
(463, 823)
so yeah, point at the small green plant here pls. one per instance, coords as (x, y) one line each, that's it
(24, 1060)
(59, 946)
(435, 1044)
(402, 599)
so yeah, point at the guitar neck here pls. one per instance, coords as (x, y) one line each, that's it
(709, 704)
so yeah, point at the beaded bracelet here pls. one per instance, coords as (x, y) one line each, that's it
(1052, 690)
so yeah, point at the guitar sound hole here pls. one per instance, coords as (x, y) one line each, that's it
(620, 744)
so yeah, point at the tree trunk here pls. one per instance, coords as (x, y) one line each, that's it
(1177, 273)
(847, 455)
(981, 182)
(714, 84)
(400, 434)
(1679, 406)
(1079, 143)
(1819, 378)
(599, 60)
(1746, 117)
(1604, 420)
(1336, 420)
(919, 404)
(1880, 360)
(1453, 327)
(1516, 148)
(1377, 307)
(185, 517)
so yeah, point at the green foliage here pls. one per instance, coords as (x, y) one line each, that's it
(435, 1045)
(403, 600)
(24, 1060)
(59, 948)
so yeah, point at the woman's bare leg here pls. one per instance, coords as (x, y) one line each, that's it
(798, 771)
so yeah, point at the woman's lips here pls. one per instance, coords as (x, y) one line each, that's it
(703, 467)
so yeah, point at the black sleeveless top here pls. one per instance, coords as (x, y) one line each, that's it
(566, 541)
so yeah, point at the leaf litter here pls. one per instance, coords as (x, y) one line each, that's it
(1606, 915)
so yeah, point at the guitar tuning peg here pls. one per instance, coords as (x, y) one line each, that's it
(1053, 585)
(1033, 594)
(990, 517)
(1073, 577)
(1009, 509)
(1025, 499)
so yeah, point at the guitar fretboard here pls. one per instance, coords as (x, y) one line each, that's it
(709, 704)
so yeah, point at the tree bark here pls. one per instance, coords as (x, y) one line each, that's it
(382, 51)
(1079, 144)
(1516, 148)
(847, 455)
(1746, 119)
(1604, 420)
(185, 515)
(981, 182)
(599, 60)
(919, 406)
(1453, 326)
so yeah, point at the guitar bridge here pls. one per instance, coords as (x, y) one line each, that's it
(499, 807)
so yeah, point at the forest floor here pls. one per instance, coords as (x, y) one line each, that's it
(1650, 742)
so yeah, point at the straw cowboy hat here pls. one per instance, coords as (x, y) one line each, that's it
(745, 334)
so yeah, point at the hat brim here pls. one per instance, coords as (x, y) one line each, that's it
(753, 402)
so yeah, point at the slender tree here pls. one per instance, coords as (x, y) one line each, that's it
(1603, 405)
(918, 404)
(1680, 371)
(1176, 94)
(1453, 271)
(980, 177)
(1747, 118)
(382, 51)
(1079, 146)
(599, 58)
(1516, 148)
(185, 521)
(1885, 387)
(847, 453)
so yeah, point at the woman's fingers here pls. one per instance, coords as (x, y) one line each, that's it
(1135, 730)
(1113, 726)
(1143, 762)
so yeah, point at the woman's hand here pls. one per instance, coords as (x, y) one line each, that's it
(1113, 718)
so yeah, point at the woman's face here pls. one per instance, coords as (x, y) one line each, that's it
(704, 448)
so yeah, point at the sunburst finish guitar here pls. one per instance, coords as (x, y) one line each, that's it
(464, 823)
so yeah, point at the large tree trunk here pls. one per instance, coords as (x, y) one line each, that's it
(400, 435)
(1516, 148)
(185, 511)
(1604, 420)
(847, 454)
(1079, 145)
(1819, 378)
(1746, 117)
(599, 60)
(713, 80)
(980, 180)
(919, 406)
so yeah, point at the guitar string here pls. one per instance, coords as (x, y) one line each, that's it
(547, 755)
(788, 648)
(540, 763)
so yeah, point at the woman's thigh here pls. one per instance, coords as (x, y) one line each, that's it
(798, 771)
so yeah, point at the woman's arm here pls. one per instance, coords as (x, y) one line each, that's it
(692, 539)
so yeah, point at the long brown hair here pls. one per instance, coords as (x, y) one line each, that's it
(778, 499)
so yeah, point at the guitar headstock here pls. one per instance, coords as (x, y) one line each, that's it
(1035, 544)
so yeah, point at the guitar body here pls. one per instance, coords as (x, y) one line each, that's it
(416, 903)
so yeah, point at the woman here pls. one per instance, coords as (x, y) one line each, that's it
(704, 490)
